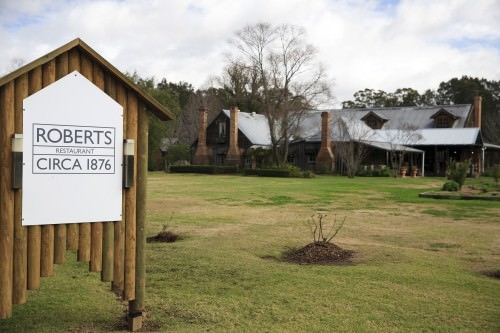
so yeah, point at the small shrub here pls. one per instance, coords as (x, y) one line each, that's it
(322, 231)
(451, 186)
(494, 172)
(177, 152)
(457, 171)
(308, 174)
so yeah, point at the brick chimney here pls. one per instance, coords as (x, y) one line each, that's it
(325, 159)
(477, 111)
(233, 152)
(202, 156)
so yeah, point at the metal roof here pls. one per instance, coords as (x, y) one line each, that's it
(434, 136)
(347, 125)
(254, 126)
(415, 116)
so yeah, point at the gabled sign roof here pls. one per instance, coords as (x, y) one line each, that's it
(153, 105)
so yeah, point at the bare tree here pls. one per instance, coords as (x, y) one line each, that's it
(351, 146)
(398, 141)
(186, 126)
(276, 69)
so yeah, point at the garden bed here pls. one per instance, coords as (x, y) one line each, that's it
(465, 194)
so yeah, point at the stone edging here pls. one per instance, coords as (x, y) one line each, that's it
(457, 197)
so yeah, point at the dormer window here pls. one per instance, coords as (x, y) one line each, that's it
(221, 129)
(373, 120)
(443, 119)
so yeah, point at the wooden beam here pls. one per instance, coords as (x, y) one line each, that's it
(20, 232)
(34, 232)
(47, 252)
(130, 204)
(6, 199)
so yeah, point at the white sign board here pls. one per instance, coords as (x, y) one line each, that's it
(72, 154)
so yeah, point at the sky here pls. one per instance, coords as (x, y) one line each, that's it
(377, 44)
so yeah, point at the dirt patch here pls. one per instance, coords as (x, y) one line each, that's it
(163, 237)
(493, 274)
(319, 253)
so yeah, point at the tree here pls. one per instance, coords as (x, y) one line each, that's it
(351, 146)
(165, 95)
(275, 71)
(463, 91)
(369, 98)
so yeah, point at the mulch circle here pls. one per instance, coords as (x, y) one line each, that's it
(319, 253)
(163, 237)
(493, 274)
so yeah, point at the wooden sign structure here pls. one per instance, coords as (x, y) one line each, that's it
(116, 249)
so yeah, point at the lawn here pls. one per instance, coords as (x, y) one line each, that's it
(418, 263)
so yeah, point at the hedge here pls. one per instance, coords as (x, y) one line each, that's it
(268, 173)
(206, 169)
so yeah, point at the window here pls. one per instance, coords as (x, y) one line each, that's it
(373, 122)
(222, 129)
(442, 122)
(311, 158)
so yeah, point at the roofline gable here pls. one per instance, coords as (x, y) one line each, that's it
(445, 112)
(159, 110)
(373, 114)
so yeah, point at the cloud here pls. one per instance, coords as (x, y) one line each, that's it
(383, 44)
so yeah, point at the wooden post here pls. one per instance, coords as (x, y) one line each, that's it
(20, 232)
(7, 199)
(84, 242)
(34, 232)
(62, 66)
(47, 252)
(130, 205)
(84, 232)
(118, 250)
(72, 234)
(136, 307)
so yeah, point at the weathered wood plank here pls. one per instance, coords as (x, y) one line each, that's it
(20, 232)
(34, 232)
(130, 205)
(62, 68)
(118, 260)
(96, 243)
(137, 305)
(72, 233)
(7, 199)
(47, 252)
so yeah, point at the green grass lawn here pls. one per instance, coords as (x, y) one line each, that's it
(418, 263)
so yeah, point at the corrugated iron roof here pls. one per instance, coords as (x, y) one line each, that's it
(415, 116)
(434, 136)
(254, 126)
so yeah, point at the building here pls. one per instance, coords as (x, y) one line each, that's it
(426, 137)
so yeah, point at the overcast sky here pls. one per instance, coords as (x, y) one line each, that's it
(379, 44)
